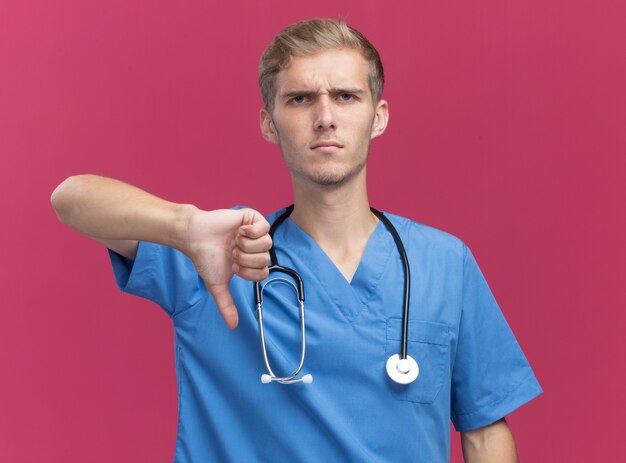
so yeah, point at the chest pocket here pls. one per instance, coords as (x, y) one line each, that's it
(428, 345)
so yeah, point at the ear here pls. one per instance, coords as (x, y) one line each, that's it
(381, 118)
(268, 130)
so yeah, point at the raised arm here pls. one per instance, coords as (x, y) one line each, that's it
(220, 243)
(119, 215)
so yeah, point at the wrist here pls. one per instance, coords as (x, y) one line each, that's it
(179, 231)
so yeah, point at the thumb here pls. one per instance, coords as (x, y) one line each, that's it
(225, 304)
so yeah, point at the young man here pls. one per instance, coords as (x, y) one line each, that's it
(321, 83)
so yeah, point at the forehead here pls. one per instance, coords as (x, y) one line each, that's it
(330, 68)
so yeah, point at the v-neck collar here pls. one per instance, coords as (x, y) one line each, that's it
(350, 298)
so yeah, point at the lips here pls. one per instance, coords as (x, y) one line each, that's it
(327, 144)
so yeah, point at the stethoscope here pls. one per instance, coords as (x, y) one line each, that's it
(401, 368)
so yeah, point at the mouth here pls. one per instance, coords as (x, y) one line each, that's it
(327, 146)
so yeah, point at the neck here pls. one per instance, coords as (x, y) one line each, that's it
(335, 217)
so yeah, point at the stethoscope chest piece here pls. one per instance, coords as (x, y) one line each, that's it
(402, 371)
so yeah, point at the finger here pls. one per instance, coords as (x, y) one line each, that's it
(255, 260)
(262, 244)
(225, 304)
(255, 225)
(251, 274)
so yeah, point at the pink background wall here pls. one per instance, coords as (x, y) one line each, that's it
(507, 130)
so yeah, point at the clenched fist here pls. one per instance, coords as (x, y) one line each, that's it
(225, 242)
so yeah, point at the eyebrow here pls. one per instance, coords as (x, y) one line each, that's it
(333, 91)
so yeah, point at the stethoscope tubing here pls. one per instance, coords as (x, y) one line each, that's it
(299, 288)
(407, 281)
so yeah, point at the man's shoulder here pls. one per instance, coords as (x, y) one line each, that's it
(420, 234)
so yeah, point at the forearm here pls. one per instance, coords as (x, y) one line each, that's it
(108, 209)
(491, 444)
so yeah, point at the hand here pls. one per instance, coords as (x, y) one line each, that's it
(226, 242)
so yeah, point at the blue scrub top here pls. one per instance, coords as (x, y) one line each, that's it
(472, 370)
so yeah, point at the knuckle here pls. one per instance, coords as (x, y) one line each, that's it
(259, 261)
(240, 246)
(247, 245)
(261, 274)
(244, 273)
(245, 217)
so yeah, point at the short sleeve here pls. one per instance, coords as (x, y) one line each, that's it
(491, 376)
(160, 274)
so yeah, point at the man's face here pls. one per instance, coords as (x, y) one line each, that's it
(324, 117)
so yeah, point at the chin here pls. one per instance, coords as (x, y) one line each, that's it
(330, 180)
(327, 174)
(333, 178)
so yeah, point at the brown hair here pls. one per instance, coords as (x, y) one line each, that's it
(308, 38)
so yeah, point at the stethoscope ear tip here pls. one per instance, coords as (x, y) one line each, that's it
(306, 379)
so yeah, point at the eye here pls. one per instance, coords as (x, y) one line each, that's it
(299, 99)
(346, 97)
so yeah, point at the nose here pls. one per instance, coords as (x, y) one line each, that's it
(324, 116)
